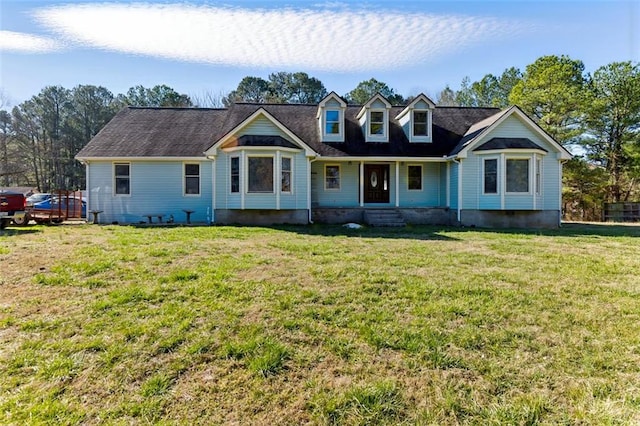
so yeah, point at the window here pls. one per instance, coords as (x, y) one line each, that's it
(332, 177)
(285, 181)
(376, 126)
(420, 120)
(491, 176)
(332, 122)
(122, 174)
(235, 174)
(538, 176)
(517, 175)
(414, 178)
(192, 179)
(260, 174)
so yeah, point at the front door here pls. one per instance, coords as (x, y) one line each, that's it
(376, 183)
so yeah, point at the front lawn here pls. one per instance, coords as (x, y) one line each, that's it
(319, 325)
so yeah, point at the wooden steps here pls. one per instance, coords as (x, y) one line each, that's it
(384, 217)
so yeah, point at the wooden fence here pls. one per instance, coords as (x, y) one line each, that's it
(621, 212)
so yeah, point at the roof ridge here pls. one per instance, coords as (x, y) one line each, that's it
(467, 107)
(175, 108)
(272, 104)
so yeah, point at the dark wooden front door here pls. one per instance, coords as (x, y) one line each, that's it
(376, 183)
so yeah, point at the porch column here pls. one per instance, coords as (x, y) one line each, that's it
(309, 188)
(503, 179)
(448, 184)
(214, 192)
(243, 176)
(361, 189)
(278, 171)
(397, 184)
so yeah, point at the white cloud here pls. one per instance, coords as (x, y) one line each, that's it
(27, 43)
(329, 40)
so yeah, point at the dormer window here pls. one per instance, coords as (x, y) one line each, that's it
(376, 123)
(331, 118)
(374, 119)
(332, 122)
(416, 118)
(420, 124)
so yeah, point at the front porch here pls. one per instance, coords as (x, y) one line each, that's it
(380, 183)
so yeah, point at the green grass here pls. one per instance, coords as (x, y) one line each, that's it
(319, 325)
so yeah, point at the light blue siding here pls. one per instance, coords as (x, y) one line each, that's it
(548, 199)
(155, 188)
(346, 196)
(262, 126)
(453, 185)
(443, 184)
(429, 195)
(518, 202)
(421, 105)
(332, 103)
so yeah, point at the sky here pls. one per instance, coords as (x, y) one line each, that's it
(199, 47)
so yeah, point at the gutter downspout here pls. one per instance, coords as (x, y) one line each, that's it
(562, 162)
(459, 188)
(88, 189)
(311, 160)
(213, 186)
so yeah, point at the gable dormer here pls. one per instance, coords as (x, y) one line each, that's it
(416, 119)
(331, 118)
(374, 119)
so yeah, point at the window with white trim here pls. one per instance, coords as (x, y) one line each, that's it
(414, 178)
(517, 175)
(285, 174)
(122, 178)
(332, 177)
(490, 176)
(260, 174)
(192, 179)
(235, 174)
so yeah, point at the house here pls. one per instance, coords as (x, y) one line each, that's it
(329, 163)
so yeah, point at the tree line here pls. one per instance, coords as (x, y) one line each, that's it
(596, 115)
(40, 137)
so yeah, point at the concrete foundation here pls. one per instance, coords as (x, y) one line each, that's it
(416, 216)
(261, 217)
(510, 218)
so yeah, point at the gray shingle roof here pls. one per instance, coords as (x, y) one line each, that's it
(260, 140)
(509, 143)
(156, 132)
(186, 132)
(475, 129)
